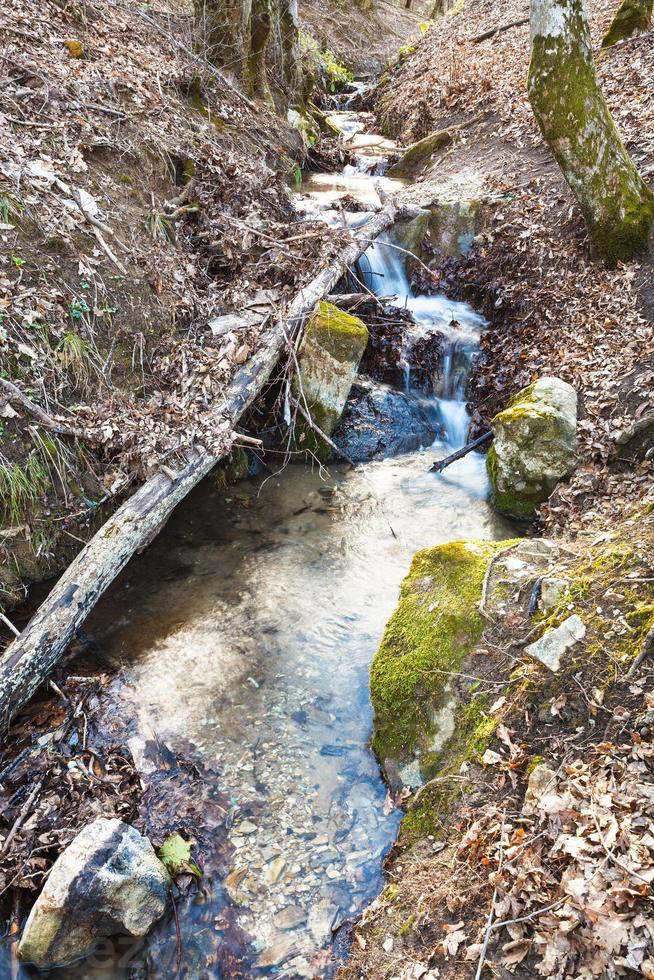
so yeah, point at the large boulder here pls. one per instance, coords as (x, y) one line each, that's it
(435, 626)
(418, 156)
(431, 715)
(380, 421)
(534, 447)
(328, 359)
(107, 881)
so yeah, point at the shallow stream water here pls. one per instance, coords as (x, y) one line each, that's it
(245, 634)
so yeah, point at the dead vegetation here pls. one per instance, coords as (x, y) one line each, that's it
(139, 198)
(552, 310)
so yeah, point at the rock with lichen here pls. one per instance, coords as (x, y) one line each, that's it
(534, 447)
(434, 627)
(419, 155)
(328, 360)
(107, 881)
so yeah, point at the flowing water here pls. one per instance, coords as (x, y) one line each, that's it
(245, 635)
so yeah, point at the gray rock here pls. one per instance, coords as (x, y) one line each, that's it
(290, 918)
(380, 421)
(553, 644)
(107, 881)
(551, 590)
(322, 917)
(534, 446)
(328, 360)
(278, 952)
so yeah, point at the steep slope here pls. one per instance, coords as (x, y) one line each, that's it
(141, 194)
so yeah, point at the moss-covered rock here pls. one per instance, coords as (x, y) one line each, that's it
(420, 154)
(534, 447)
(452, 227)
(329, 356)
(435, 625)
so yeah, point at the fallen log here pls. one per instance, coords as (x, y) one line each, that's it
(41, 645)
(440, 464)
(350, 301)
(498, 30)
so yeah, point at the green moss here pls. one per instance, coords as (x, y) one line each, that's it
(633, 17)
(534, 762)
(406, 927)
(435, 625)
(231, 470)
(419, 154)
(336, 331)
(333, 344)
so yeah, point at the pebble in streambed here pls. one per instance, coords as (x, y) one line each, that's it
(295, 879)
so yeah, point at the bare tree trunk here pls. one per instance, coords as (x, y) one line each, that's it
(633, 17)
(222, 31)
(574, 119)
(260, 30)
(289, 25)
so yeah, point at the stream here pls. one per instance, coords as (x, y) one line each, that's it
(244, 635)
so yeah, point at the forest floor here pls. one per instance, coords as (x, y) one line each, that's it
(554, 876)
(551, 309)
(140, 197)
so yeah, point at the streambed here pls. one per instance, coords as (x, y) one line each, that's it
(244, 635)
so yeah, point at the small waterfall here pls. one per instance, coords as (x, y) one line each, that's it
(384, 272)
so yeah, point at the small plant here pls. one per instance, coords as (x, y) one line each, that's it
(76, 357)
(330, 72)
(17, 261)
(296, 175)
(20, 487)
(10, 208)
(55, 458)
(160, 227)
(79, 308)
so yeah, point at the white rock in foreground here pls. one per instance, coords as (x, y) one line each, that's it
(552, 645)
(107, 881)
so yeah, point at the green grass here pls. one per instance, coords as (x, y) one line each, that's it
(76, 357)
(10, 208)
(21, 487)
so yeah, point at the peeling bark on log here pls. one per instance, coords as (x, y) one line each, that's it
(30, 658)
(617, 205)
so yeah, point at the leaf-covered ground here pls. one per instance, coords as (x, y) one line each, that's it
(552, 310)
(553, 869)
(538, 849)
